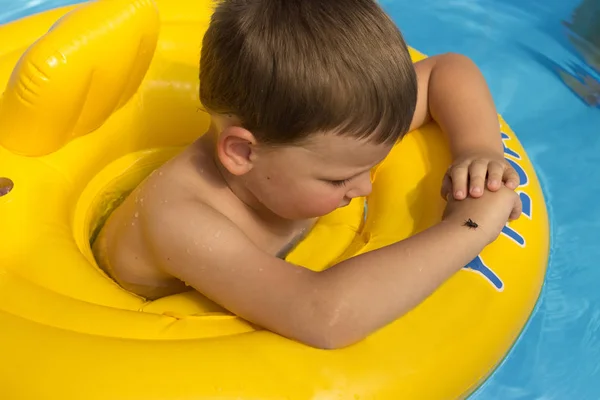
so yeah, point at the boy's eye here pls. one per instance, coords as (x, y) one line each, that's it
(339, 183)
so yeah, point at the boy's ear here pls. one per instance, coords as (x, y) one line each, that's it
(236, 149)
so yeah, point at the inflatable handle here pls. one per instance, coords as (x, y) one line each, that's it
(70, 81)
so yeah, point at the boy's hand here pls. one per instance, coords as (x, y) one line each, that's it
(490, 212)
(469, 174)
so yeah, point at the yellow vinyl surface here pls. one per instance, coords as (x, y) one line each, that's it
(92, 104)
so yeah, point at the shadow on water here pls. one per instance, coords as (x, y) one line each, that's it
(579, 35)
(583, 33)
(578, 78)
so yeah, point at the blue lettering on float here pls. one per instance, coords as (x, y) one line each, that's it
(513, 235)
(526, 200)
(508, 151)
(478, 265)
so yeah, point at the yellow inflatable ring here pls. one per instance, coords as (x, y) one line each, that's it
(109, 93)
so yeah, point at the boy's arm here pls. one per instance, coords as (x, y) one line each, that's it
(453, 92)
(328, 309)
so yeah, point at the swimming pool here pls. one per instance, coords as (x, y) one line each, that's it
(517, 45)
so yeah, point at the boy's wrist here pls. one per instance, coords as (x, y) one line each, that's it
(471, 230)
(476, 147)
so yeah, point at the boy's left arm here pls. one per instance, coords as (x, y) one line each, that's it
(453, 91)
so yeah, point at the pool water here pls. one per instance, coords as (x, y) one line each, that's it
(523, 51)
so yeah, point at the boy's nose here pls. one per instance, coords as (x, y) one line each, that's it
(361, 188)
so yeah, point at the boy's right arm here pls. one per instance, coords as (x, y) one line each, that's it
(328, 309)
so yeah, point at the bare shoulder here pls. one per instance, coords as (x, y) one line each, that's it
(203, 248)
(187, 231)
(178, 213)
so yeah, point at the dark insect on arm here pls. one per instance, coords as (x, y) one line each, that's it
(470, 224)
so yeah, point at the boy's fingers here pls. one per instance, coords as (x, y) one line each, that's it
(511, 178)
(459, 175)
(517, 210)
(477, 173)
(495, 175)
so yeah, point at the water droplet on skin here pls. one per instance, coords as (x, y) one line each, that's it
(210, 249)
(218, 234)
(201, 170)
(335, 318)
(160, 173)
(187, 251)
(136, 215)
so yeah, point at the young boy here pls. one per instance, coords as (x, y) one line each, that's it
(306, 97)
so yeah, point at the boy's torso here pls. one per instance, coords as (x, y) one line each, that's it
(122, 249)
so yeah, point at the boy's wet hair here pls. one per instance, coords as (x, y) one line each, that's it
(291, 68)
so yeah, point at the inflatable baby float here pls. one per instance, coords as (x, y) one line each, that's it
(96, 96)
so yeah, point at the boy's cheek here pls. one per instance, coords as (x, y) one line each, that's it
(322, 205)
